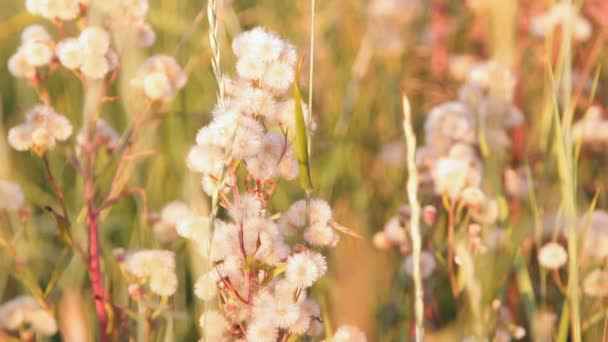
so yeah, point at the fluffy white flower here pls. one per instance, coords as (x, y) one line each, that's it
(248, 206)
(205, 287)
(70, 53)
(213, 324)
(451, 176)
(596, 283)
(155, 266)
(43, 127)
(163, 283)
(348, 333)
(54, 9)
(258, 43)
(552, 256)
(278, 76)
(287, 312)
(206, 159)
(25, 311)
(37, 53)
(159, 78)
(95, 40)
(18, 65)
(144, 34)
(262, 331)
(35, 33)
(95, 66)
(319, 234)
(302, 270)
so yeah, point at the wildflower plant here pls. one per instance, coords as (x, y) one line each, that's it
(261, 268)
(88, 52)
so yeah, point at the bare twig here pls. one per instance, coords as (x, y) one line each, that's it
(412, 193)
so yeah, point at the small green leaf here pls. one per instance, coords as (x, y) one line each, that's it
(301, 139)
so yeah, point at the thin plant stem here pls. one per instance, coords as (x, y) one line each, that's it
(412, 192)
(450, 261)
(313, 5)
(568, 174)
(56, 187)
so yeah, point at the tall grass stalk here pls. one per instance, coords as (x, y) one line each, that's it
(564, 151)
(412, 194)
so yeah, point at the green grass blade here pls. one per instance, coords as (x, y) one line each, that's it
(301, 138)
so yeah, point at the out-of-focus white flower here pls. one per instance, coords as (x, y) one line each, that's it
(348, 333)
(592, 129)
(448, 124)
(262, 331)
(165, 229)
(94, 40)
(42, 129)
(559, 14)
(70, 53)
(427, 264)
(159, 78)
(144, 34)
(155, 266)
(552, 256)
(595, 283)
(486, 212)
(595, 228)
(451, 176)
(11, 196)
(54, 9)
(25, 312)
(213, 324)
(35, 33)
(18, 65)
(37, 53)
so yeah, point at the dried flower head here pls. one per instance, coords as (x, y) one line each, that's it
(156, 267)
(42, 129)
(552, 256)
(25, 313)
(595, 283)
(159, 78)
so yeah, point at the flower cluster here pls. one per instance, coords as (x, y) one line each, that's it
(41, 131)
(483, 115)
(37, 50)
(25, 315)
(259, 279)
(129, 16)
(159, 78)
(90, 53)
(155, 267)
(164, 225)
(559, 14)
(63, 9)
(11, 196)
(252, 124)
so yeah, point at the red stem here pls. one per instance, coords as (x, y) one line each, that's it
(96, 276)
(94, 264)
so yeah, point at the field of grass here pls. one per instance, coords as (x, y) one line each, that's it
(511, 242)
